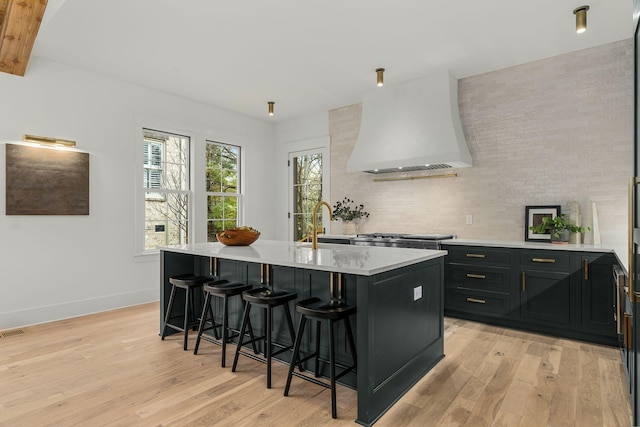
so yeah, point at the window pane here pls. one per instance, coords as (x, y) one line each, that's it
(222, 208)
(307, 191)
(166, 220)
(222, 168)
(223, 179)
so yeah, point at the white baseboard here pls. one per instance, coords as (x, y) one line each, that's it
(36, 315)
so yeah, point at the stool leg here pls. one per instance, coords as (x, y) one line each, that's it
(287, 312)
(186, 317)
(296, 353)
(169, 307)
(253, 338)
(318, 326)
(203, 320)
(332, 365)
(225, 326)
(267, 347)
(243, 328)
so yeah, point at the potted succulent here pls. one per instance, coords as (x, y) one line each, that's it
(558, 228)
(349, 212)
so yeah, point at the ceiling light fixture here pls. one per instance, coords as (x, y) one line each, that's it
(581, 18)
(44, 140)
(380, 76)
(271, 104)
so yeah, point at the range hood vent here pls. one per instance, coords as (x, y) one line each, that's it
(412, 126)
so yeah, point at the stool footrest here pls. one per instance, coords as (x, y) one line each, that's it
(213, 340)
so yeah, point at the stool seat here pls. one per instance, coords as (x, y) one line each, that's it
(320, 309)
(188, 282)
(185, 281)
(266, 296)
(224, 287)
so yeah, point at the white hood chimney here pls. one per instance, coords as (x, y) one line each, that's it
(413, 126)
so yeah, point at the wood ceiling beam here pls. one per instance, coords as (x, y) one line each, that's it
(19, 24)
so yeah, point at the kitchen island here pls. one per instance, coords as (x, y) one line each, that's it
(398, 293)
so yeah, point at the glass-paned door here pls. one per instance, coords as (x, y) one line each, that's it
(307, 176)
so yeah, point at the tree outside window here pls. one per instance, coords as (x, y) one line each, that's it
(223, 187)
(167, 188)
(307, 191)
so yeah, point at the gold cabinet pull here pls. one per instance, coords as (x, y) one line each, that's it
(476, 256)
(476, 276)
(476, 300)
(213, 267)
(585, 268)
(522, 281)
(547, 260)
(265, 274)
(626, 333)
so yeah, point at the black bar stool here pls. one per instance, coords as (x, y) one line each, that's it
(221, 289)
(268, 299)
(188, 282)
(319, 310)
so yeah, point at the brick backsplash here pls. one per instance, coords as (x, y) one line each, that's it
(549, 132)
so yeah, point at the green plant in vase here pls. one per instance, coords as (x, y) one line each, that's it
(558, 228)
(349, 212)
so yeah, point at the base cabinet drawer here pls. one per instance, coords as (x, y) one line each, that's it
(477, 302)
(479, 278)
(478, 255)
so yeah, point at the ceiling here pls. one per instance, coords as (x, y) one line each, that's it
(311, 56)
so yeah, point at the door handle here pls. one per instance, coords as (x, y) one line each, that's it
(523, 282)
(585, 268)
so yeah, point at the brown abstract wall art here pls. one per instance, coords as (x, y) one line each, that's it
(44, 181)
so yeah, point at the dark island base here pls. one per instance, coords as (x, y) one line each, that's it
(398, 327)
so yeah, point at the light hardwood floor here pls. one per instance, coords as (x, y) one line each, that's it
(113, 369)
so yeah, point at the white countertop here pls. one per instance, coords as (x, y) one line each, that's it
(350, 259)
(621, 254)
(529, 245)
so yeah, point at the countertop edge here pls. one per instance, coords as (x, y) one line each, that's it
(213, 250)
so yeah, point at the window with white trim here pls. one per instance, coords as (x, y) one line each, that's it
(222, 187)
(167, 189)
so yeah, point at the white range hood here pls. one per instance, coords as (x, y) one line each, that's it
(411, 126)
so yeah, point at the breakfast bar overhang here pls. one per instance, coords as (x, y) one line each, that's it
(398, 293)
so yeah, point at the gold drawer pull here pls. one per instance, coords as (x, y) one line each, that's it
(585, 267)
(476, 276)
(476, 256)
(548, 260)
(479, 301)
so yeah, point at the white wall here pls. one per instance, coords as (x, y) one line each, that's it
(56, 267)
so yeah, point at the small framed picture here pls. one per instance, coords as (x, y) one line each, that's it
(533, 217)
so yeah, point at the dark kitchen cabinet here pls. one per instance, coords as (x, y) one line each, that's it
(477, 281)
(597, 299)
(546, 288)
(545, 297)
(557, 292)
